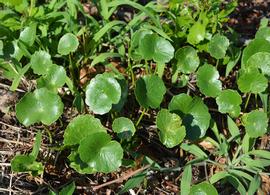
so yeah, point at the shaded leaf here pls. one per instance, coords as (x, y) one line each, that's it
(149, 91)
(203, 188)
(194, 114)
(124, 127)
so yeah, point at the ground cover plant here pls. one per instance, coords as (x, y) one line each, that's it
(98, 86)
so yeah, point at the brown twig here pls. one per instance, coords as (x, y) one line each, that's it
(121, 179)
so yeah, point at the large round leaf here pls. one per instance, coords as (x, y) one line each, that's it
(54, 79)
(80, 127)
(252, 81)
(256, 123)
(255, 46)
(124, 127)
(207, 80)
(41, 62)
(102, 92)
(218, 46)
(40, 106)
(203, 188)
(100, 153)
(67, 44)
(229, 102)
(187, 59)
(171, 132)
(194, 114)
(149, 91)
(260, 60)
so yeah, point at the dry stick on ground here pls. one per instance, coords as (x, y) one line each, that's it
(121, 179)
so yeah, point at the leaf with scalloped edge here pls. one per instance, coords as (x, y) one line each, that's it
(40, 106)
(218, 46)
(229, 101)
(102, 92)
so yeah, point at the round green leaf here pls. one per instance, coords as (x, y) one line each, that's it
(149, 91)
(78, 165)
(194, 114)
(207, 80)
(54, 79)
(41, 62)
(171, 132)
(80, 127)
(100, 153)
(229, 102)
(40, 106)
(218, 46)
(256, 123)
(260, 60)
(164, 51)
(157, 48)
(252, 81)
(187, 59)
(255, 46)
(67, 44)
(124, 127)
(102, 92)
(203, 188)
(263, 33)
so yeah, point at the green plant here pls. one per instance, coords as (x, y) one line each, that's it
(178, 73)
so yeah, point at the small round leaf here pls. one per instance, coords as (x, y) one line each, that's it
(100, 153)
(252, 81)
(256, 123)
(41, 62)
(40, 106)
(80, 127)
(207, 80)
(67, 44)
(164, 51)
(171, 132)
(187, 59)
(149, 91)
(229, 102)
(124, 127)
(102, 91)
(203, 188)
(218, 46)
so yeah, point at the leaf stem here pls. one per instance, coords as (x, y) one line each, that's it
(217, 63)
(32, 5)
(248, 98)
(141, 116)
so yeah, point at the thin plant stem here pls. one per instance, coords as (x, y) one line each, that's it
(248, 98)
(256, 100)
(141, 116)
(217, 63)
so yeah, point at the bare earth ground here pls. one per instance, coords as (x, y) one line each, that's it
(15, 139)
